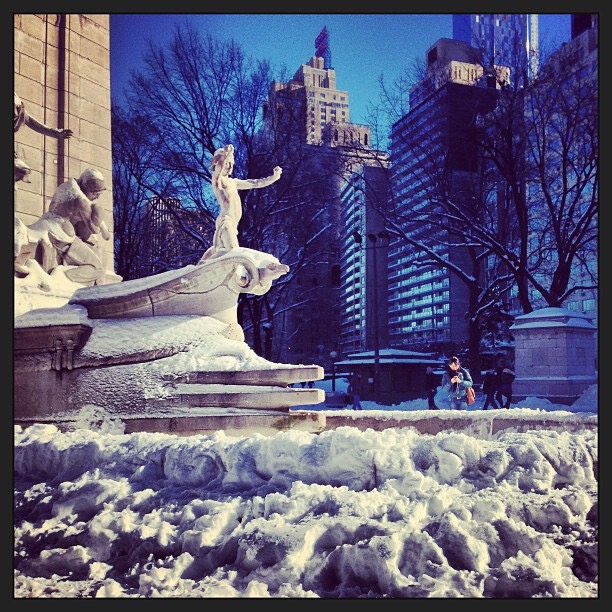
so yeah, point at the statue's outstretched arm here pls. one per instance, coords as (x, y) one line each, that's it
(41, 128)
(257, 183)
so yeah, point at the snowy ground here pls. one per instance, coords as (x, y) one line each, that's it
(341, 514)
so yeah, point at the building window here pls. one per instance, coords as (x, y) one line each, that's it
(335, 275)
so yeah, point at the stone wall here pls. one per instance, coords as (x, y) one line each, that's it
(62, 74)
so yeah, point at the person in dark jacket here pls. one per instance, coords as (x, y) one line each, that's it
(352, 391)
(507, 378)
(455, 380)
(431, 385)
(489, 388)
(498, 390)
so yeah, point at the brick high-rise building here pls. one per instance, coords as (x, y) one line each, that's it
(311, 103)
(312, 110)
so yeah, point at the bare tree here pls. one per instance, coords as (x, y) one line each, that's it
(134, 142)
(529, 218)
(541, 147)
(299, 225)
(437, 221)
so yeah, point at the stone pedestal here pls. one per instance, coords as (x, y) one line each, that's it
(119, 348)
(555, 355)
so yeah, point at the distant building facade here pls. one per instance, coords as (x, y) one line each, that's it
(505, 39)
(428, 303)
(363, 295)
(165, 245)
(311, 110)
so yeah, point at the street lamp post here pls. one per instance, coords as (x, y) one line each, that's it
(383, 235)
(333, 356)
(372, 238)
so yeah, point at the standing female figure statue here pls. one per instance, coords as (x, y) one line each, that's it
(226, 189)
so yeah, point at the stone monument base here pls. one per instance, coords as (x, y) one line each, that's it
(555, 355)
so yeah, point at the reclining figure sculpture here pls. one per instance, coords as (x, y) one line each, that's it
(67, 234)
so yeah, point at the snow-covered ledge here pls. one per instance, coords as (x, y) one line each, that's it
(210, 289)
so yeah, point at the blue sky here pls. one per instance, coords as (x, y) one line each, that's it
(362, 46)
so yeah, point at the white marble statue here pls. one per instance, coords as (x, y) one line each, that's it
(68, 233)
(21, 170)
(226, 189)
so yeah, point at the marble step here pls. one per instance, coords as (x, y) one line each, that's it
(251, 396)
(197, 421)
(279, 376)
(480, 424)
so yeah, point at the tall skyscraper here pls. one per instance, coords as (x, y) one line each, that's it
(311, 106)
(434, 142)
(313, 117)
(504, 39)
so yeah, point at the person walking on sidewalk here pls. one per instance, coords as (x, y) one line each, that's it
(507, 378)
(353, 391)
(498, 388)
(489, 388)
(431, 385)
